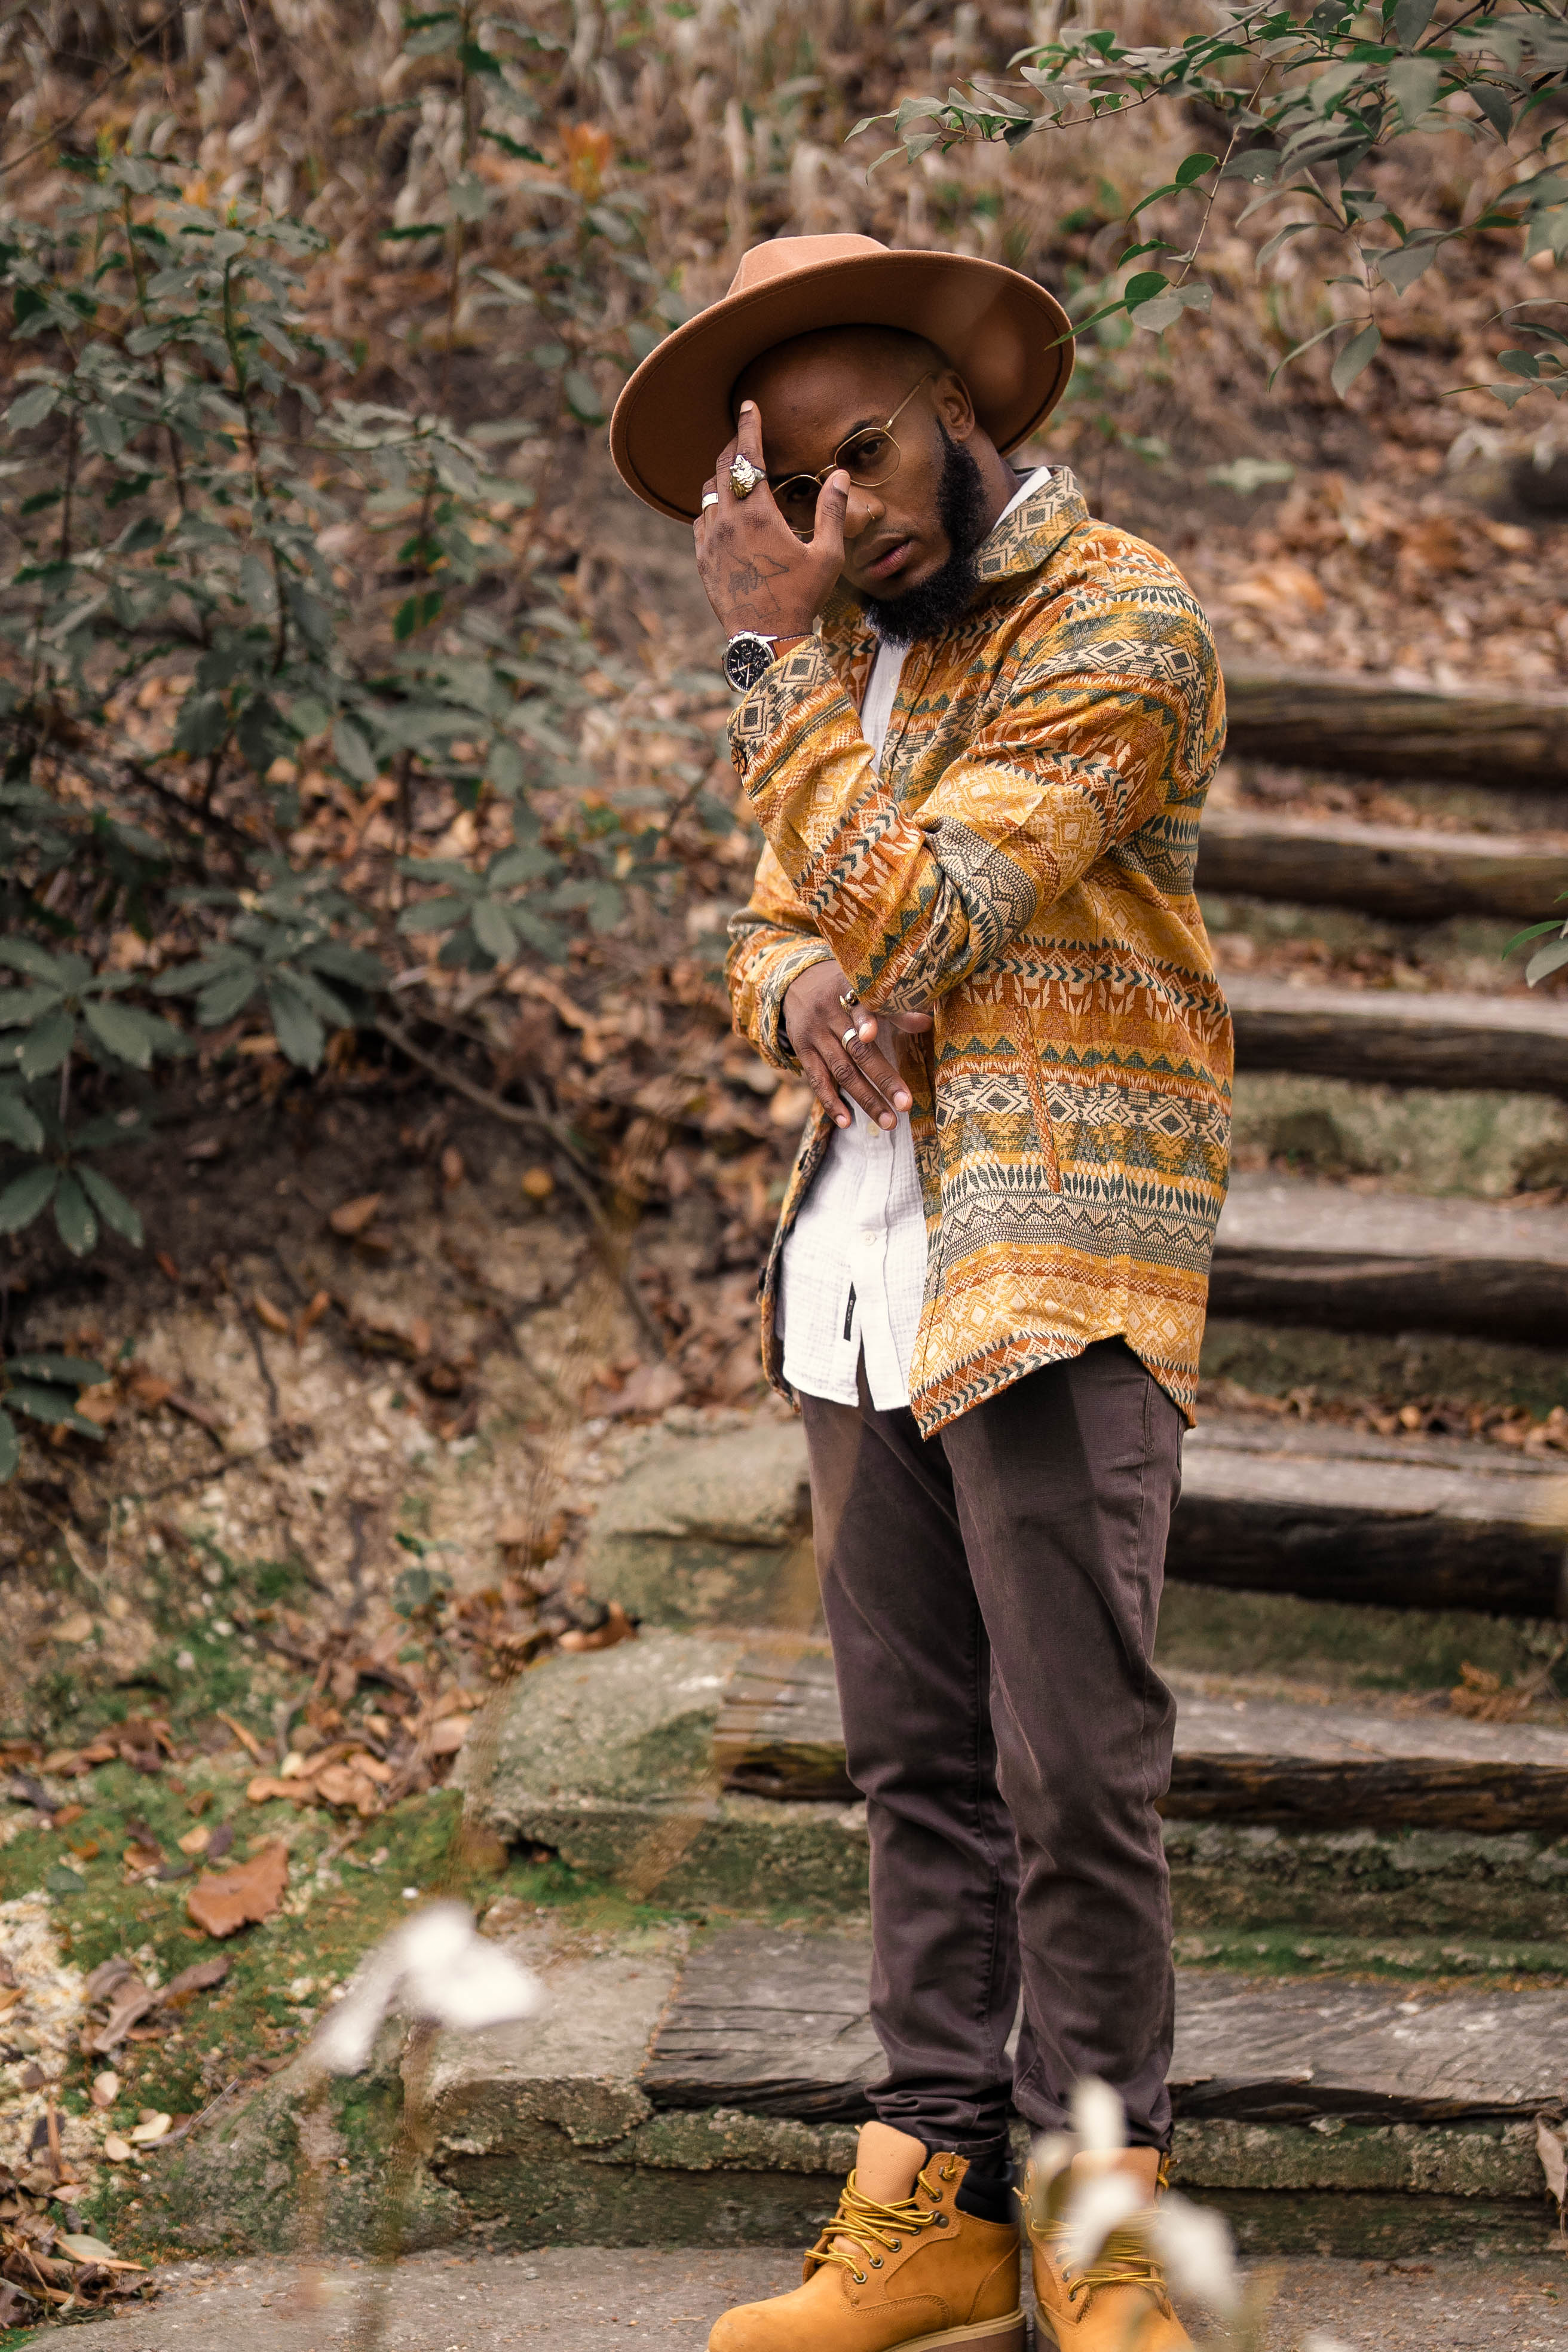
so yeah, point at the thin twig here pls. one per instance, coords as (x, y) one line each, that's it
(59, 129)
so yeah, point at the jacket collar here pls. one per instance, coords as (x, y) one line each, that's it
(1022, 542)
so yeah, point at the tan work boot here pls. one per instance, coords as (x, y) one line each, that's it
(898, 2268)
(1120, 2303)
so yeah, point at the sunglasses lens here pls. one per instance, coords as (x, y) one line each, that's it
(871, 457)
(797, 501)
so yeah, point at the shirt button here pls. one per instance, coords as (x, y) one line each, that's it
(868, 1232)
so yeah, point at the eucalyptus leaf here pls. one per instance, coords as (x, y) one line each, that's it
(1358, 353)
(74, 1220)
(24, 1197)
(112, 1204)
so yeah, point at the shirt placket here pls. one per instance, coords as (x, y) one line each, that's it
(868, 1262)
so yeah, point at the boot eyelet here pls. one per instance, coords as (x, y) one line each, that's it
(858, 2277)
(897, 2244)
(876, 2262)
(940, 2221)
(947, 2172)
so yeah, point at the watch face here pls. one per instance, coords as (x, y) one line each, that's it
(745, 660)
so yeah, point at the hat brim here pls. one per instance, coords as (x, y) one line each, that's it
(1003, 334)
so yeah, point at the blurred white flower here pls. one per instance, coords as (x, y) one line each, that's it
(436, 1969)
(1097, 2206)
(1195, 2246)
(1050, 2160)
(1098, 2118)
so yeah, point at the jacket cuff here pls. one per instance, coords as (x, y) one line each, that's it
(780, 698)
(770, 1037)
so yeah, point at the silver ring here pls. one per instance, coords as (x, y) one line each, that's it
(710, 498)
(744, 476)
(849, 1000)
(850, 1038)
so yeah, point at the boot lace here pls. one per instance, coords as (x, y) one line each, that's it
(868, 2225)
(1123, 2260)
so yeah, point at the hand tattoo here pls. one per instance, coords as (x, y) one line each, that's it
(748, 585)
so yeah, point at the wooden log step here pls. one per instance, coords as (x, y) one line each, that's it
(1364, 727)
(1332, 1514)
(1263, 1761)
(1394, 871)
(772, 2023)
(1382, 1036)
(1293, 1251)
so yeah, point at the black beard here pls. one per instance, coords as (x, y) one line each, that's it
(930, 609)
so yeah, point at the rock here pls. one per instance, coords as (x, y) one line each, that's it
(611, 1761)
(709, 1531)
(621, 1733)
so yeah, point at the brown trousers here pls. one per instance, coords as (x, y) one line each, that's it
(991, 1594)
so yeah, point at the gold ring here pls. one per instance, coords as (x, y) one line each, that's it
(849, 998)
(744, 476)
(710, 498)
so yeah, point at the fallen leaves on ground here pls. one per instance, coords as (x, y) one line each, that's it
(223, 1902)
(46, 2268)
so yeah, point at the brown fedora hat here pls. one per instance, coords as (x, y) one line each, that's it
(1000, 330)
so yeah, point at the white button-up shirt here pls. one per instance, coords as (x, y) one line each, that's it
(853, 1276)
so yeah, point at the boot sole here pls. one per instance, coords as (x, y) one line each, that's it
(1007, 2334)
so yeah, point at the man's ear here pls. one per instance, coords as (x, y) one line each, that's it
(954, 404)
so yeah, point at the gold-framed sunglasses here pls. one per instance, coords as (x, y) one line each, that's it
(869, 456)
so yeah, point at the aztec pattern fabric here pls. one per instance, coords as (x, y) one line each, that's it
(1022, 867)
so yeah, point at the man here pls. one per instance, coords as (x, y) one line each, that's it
(976, 729)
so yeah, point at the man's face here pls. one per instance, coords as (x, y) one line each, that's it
(813, 394)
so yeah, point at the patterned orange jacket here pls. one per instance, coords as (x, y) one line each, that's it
(1022, 868)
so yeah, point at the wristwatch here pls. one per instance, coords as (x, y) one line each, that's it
(747, 656)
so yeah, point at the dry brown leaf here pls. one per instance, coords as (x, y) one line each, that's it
(452, 1169)
(222, 1901)
(342, 1785)
(200, 1977)
(309, 1317)
(105, 2088)
(196, 1841)
(351, 1217)
(101, 1403)
(131, 2005)
(617, 1627)
(449, 1735)
(536, 1184)
(266, 1785)
(247, 1740)
(273, 1316)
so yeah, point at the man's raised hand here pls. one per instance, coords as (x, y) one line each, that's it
(757, 573)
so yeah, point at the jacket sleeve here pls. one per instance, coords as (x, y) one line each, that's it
(773, 941)
(1095, 736)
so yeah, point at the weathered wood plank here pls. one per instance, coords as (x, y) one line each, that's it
(1364, 727)
(1289, 2050)
(774, 2023)
(1267, 1509)
(1380, 1037)
(1391, 870)
(1305, 1253)
(1263, 1761)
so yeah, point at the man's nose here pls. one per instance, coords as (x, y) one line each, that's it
(862, 509)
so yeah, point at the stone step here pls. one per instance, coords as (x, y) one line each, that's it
(716, 1531)
(779, 1735)
(1272, 1505)
(706, 2092)
(1384, 1036)
(1364, 727)
(1300, 1252)
(1396, 872)
(660, 1765)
